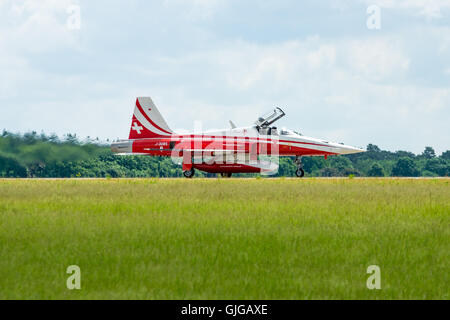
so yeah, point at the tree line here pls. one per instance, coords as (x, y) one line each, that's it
(48, 156)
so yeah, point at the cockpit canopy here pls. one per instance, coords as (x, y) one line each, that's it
(267, 119)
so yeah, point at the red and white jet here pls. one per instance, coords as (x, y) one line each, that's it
(246, 149)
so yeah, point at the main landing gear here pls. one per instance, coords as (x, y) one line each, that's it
(226, 174)
(299, 172)
(189, 173)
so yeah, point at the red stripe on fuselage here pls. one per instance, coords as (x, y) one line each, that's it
(245, 137)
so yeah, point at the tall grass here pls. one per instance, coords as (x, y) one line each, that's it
(225, 238)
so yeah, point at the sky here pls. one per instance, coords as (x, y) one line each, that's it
(352, 71)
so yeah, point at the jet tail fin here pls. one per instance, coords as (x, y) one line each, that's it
(147, 121)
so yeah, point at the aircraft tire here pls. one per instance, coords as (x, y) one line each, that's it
(189, 173)
(226, 174)
(300, 172)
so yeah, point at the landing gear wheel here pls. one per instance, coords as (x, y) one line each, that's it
(189, 173)
(300, 172)
(226, 174)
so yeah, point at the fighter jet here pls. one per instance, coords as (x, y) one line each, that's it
(251, 149)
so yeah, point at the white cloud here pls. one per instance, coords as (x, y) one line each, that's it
(36, 25)
(331, 89)
(13, 69)
(431, 9)
(247, 66)
(351, 88)
(196, 9)
(376, 58)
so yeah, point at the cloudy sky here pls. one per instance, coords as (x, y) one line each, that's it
(215, 60)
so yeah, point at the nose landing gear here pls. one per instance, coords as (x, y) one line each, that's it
(226, 174)
(299, 172)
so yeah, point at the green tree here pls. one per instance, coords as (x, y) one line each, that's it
(312, 164)
(329, 172)
(446, 155)
(286, 166)
(438, 166)
(428, 153)
(376, 171)
(402, 154)
(405, 167)
(343, 165)
(372, 148)
(10, 167)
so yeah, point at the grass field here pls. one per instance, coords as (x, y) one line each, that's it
(225, 238)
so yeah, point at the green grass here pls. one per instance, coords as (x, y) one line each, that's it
(225, 239)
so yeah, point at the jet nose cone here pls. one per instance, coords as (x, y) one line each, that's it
(349, 150)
